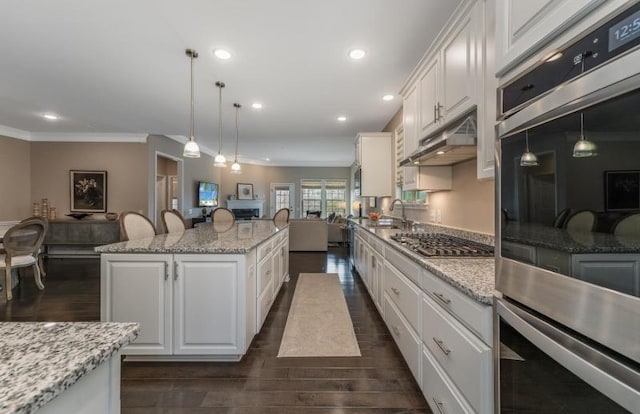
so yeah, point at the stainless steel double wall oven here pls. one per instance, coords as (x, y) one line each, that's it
(568, 265)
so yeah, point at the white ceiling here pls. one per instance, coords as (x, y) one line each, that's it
(119, 67)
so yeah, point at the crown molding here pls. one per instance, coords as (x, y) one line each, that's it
(15, 133)
(82, 137)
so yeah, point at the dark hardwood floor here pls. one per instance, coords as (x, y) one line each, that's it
(377, 382)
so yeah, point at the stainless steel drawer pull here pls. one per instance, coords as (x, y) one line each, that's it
(439, 405)
(175, 270)
(395, 330)
(268, 272)
(442, 298)
(442, 346)
(166, 270)
(396, 291)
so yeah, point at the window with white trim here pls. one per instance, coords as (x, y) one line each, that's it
(324, 195)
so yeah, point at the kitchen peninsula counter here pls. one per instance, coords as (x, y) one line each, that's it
(46, 365)
(475, 277)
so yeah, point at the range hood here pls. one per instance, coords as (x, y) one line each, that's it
(450, 146)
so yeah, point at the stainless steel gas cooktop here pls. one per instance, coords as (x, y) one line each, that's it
(442, 245)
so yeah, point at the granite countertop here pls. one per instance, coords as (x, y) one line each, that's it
(475, 277)
(567, 241)
(40, 360)
(239, 238)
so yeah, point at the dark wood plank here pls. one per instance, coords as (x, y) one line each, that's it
(378, 382)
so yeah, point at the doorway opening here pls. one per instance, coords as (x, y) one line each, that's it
(282, 196)
(168, 186)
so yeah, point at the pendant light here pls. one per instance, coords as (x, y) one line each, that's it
(220, 160)
(191, 148)
(528, 158)
(584, 148)
(235, 167)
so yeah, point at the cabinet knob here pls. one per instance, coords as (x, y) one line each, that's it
(396, 291)
(395, 330)
(439, 405)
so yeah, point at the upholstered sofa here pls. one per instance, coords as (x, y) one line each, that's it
(308, 235)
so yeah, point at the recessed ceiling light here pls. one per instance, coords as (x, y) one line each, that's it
(387, 98)
(416, 163)
(222, 54)
(50, 117)
(439, 152)
(256, 105)
(342, 118)
(267, 159)
(357, 53)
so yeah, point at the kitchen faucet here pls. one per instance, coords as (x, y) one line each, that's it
(404, 217)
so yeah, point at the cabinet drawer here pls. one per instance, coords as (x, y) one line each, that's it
(264, 304)
(404, 294)
(476, 316)
(407, 340)
(265, 275)
(404, 265)
(440, 393)
(264, 249)
(464, 357)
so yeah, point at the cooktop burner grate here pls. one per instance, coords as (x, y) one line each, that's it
(442, 245)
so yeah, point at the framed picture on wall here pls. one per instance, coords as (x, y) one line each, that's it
(622, 190)
(245, 191)
(88, 191)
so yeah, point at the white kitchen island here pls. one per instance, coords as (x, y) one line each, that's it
(200, 295)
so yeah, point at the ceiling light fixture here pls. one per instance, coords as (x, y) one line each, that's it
(222, 54)
(387, 98)
(220, 160)
(342, 118)
(584, 148)
(50, 117)
(235, 167)
(191, 148)
(528, 158)
(357, 54)
(256, 105)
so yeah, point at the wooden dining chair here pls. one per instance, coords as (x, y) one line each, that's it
(135, 226)
(628, 226)
(281, 217)
(172, 221)
(40, 250)
(22, 243)
(583, 220)
(222, 214)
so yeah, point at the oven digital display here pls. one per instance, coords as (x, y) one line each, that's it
(624, 31)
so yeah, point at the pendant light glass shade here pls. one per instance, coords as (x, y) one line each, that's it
(235, 167)
(584, 148)
(528, 158)
(220, 160)
(191, 148)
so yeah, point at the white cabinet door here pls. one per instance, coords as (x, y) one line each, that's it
(377, 157)
(206, 317)
(459, 69)
(522, 27)
(137, 288)
(429, 98)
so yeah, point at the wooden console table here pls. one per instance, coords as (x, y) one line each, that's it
(73, 238)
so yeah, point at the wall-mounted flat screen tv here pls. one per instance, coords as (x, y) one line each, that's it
(207, 194)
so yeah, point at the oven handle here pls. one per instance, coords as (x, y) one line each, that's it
(614, 379)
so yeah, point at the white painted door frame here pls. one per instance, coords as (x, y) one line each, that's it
(292, 197)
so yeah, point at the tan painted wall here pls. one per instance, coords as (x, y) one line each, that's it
(15, 179)
(125, 163)
(194, 170)
(262, 176)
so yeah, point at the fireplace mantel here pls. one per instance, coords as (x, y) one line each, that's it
(259, 204)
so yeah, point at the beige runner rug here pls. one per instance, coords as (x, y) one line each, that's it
(318, 324)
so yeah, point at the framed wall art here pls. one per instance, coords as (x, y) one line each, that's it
(622, 190)
(245, 191)
(88, 191)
